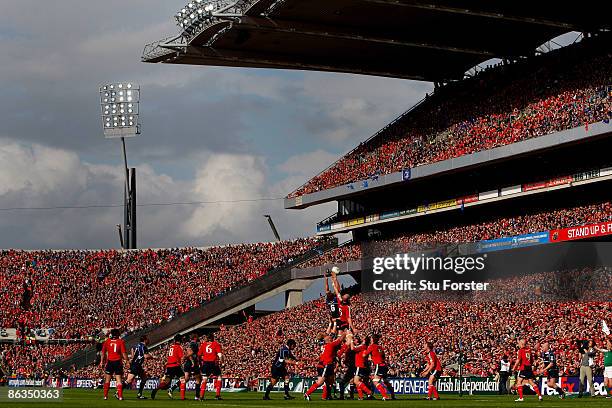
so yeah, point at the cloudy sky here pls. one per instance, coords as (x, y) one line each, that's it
(208, 133)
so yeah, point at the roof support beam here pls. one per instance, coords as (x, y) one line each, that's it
(339, 33)
(240, 58)
(478, 13)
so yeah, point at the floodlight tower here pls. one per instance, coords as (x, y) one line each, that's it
(120, 104)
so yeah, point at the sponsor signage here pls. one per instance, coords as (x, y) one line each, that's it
(443, 204)
(487, 195)
(406, 174)
(510, 190)
(468, 385)
(409, 211)
(587, 175)
(406, 386)
(389, 214)
(355, 221)
(467, 199)
(534, 186)
(518, 241)
(228, 384)
(572, 386)
(325, 227)
(372, 218)
(581, 232)
(559, 181)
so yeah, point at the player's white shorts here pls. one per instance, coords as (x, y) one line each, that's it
(608, 372)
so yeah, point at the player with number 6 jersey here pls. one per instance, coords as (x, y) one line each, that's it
(210, 354)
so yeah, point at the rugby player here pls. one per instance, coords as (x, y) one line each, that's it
(550, 369)
(362, 372)
(326, 366)
(192, 364)
(607, 352)
(139, 353)
(210, 356)
(173, 369)
(348, 368)
(112, 355)
(524, 363)
(344, 321)
(381, 380)
(432, 371)
(279, 371)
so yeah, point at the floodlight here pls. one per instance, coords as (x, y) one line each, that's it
(119, 104)
(116, 101)
(197, 13)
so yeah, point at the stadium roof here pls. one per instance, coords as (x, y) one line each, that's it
(424, 40)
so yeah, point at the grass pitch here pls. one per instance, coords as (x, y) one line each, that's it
(93, 399)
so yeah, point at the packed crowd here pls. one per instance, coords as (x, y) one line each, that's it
(502, 226)
(75, 294)
(567, 89)
(30, 360)
(560, 307)
(71, 288)
(487, 331)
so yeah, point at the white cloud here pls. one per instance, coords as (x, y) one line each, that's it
(39, 176)
(227, 177)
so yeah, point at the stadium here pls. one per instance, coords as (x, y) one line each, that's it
(505, 166)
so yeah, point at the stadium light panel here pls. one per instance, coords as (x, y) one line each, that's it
(197, 13)
(120, 104)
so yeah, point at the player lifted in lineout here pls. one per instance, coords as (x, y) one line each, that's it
(339, 305)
